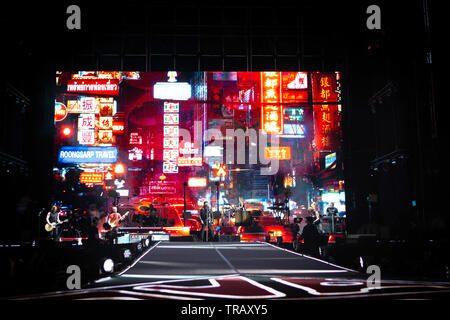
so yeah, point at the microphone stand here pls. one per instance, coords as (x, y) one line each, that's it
(207, 224)
(39, 223)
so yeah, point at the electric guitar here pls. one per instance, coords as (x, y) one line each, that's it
(50, 226)
(115, 222)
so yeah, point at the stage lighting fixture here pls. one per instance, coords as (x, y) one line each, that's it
(127, 253)
(108, 265)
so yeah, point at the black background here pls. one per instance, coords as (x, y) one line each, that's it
(243, 36)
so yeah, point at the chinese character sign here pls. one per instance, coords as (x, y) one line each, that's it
(105, 123)
(171, 107)
(324, 87)
(86, 137)
(277, 153)
(171, 137)
(88, 105)
(170, 155)
(171, 118)
(271, 109)
(86, 121)
(105, 136)
(325, 126)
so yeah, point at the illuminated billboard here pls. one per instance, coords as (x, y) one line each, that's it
(91, 177)
(180, 125)
(271, 110)
(197, 182)
(60, 111)
(69, 154)
(277, 153)
(94, 86)
(329, 159)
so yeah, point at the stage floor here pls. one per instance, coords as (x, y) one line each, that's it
(233, 270)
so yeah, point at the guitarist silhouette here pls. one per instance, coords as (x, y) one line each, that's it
(53, 223)
(115, 218)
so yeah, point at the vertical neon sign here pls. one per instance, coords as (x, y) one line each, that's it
(271, 109)
(171, 137)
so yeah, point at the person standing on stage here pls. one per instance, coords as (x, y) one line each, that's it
(332, 212)
(114, 218)
(311, 238)
(314, 213)
(53, 220)
(205, 220)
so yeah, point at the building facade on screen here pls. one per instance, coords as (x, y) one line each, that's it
(261, 136)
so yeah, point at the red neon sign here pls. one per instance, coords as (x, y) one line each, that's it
(324, 87)
(162, 187)
(118, 126)
(95, 86)
(325, 126)
(221, 171)
(271, 110)
(294, 87)
(60, 111)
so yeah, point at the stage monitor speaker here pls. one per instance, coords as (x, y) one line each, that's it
(229, 238)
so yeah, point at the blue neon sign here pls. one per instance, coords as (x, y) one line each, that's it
(86, 154)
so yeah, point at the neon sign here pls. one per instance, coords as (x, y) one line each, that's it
(197, 182)
(190, 161)
(170, 155)
(94, 86)
(86, 121)
(91, 177)
(60, 111)
(189, 148)
(271, 110)
(105, 123)
(171, 118)
(324, 87)
(277, 153)
(329, 159)
(171, 135)
(324, 126)
(105, 136)
(171, 107)
(88, 105)
(172, 90)
(82, 154)
(73, 106)
(135, 154)
(86, 136)
(295, 80)
(118, 126)
(162, 187)
(135, 138)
